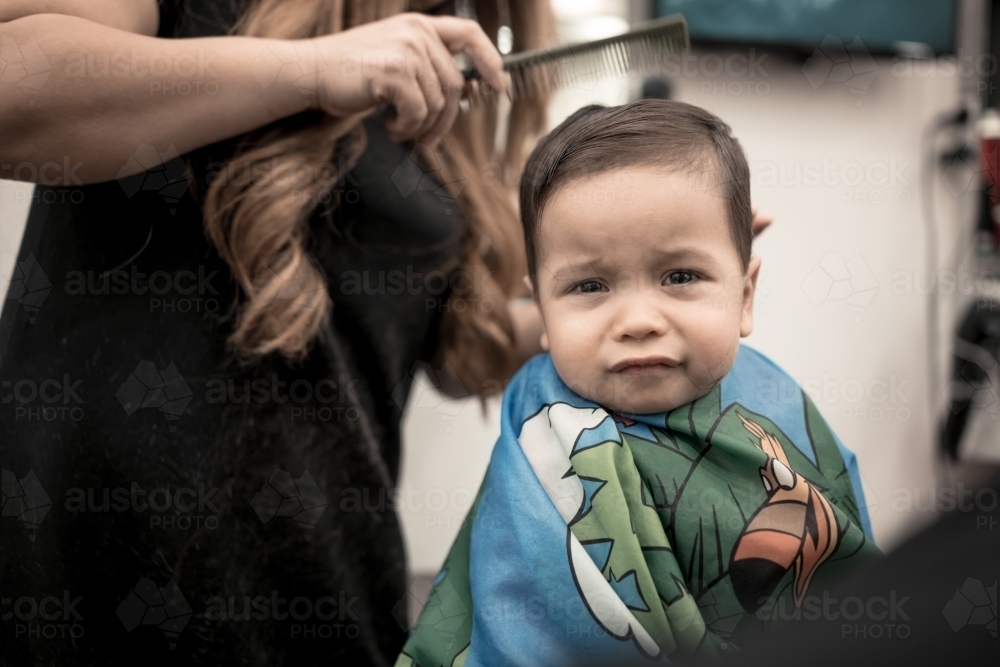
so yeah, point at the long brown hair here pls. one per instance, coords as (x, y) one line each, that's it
(259, 224)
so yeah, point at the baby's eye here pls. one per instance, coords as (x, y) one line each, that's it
(589, 287)
(679, 278)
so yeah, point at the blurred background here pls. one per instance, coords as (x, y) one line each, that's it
(871, 132)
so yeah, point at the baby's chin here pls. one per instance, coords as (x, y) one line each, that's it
(624, 397)
(651, 406)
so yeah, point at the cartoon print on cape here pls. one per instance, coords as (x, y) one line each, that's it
(675, 534)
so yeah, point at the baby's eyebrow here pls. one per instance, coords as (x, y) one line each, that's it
(685, 252)
(574, 271)
(592, 267)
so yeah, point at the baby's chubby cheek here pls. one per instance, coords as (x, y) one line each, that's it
(576, 363)
(706, 370)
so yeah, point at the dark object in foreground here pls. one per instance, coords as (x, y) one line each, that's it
(931, 601)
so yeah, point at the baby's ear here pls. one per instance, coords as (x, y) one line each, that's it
(531, 288)
(749, 289)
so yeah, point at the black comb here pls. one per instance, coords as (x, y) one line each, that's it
(643, 48)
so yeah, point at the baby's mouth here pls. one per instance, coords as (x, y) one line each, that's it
(644, 365)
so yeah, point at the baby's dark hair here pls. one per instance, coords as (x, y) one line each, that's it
(671, 134)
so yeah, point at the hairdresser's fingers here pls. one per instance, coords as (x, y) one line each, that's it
(452, 84)
(761, 221)
(406, 95)
(465, 35)
(427, 78)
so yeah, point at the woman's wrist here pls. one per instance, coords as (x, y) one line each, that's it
(288, 72)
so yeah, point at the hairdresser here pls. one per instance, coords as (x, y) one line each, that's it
(224, 310)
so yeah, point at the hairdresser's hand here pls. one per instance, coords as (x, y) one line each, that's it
(406, 61)
(761, 221)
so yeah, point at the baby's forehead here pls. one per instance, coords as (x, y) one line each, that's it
(637, 208)
(624, 170)
(613, 190)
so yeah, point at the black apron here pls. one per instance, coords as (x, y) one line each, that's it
(164, 504)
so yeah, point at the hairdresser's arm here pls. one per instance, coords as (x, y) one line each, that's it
(139, 16)
(98, 121)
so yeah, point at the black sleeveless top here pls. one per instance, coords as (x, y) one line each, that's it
(162, 503)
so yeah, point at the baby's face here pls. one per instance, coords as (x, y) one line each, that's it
(640, 286)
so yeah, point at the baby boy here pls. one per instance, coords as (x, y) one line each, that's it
(638, 235)
(647, 495)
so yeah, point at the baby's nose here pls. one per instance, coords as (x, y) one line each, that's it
(639, 321)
